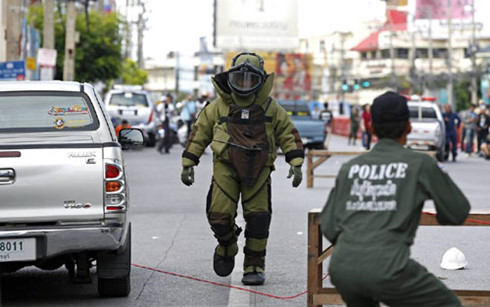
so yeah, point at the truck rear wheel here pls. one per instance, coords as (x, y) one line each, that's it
(113, 270)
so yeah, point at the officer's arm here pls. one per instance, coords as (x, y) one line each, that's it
(288, 137)
(329, 225)
(200, 137)
(452, 206)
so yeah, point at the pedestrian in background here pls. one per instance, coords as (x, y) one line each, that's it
(124, 125)
(327, 116)
(452, 122)
(201, 102)
(187, 108)
(165, 110)
(372, 214)
(483, 124)
(366, 126)
(242, 125)
(469, 118)
(315, 113)
(354, 125)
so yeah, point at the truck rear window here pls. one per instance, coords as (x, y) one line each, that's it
(423, 112)
(128, 99)
(46, 112)
(296, 110)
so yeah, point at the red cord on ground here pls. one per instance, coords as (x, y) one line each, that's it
(221, 284)
(467, 220)
(253, 291)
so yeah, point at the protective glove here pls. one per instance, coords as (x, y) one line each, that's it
(187, 175)
(298, 175)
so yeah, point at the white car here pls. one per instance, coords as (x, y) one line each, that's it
(428, 129)
(64, 191)
(132, 103)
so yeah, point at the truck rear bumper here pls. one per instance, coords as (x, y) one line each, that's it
(56, 240)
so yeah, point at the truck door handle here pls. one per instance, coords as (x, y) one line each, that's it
(7, 176)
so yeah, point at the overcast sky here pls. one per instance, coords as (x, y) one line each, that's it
(178, 24)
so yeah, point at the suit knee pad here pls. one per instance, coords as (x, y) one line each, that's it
(258, 225)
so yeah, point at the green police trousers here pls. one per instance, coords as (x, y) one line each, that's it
(224, 194)
(366, 282)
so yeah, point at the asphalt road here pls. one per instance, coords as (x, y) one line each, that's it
(171, 234)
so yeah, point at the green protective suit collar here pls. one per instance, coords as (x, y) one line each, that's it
(260, 97)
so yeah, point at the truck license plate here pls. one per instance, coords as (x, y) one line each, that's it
(22, 249)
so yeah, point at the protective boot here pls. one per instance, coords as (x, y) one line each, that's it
(253, 276)
(223, 265)
(224, 253)
(254, 267)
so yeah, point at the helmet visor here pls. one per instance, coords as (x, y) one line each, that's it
(244, 81)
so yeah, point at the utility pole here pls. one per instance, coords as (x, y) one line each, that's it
(70, 38)
(431, 55)
(450, 55)
(48, 27)
(413, 55)
(342, 64)
(141, 28)
(14, 29)
(392, 54)
(129, 25)
(474, 86)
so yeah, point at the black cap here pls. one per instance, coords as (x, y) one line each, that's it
(389, 107)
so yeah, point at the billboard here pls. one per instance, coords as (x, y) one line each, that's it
(267, 25)
(431, 16)
(293, 73)
(293, 76)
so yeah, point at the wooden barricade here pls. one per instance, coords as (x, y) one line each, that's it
(323, 155)
(318, 295)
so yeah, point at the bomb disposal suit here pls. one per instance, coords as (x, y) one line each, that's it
(371, 217)
(243, 125)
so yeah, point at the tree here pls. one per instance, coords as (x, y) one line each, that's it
(131, 74)
(98, 52)
(462, 94)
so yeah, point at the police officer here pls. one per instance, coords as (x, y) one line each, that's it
(452, 122)
(243, 125)
(372, 214)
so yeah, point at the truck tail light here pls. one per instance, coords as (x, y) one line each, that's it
(111, 171)
(112, 186)
(151, 117)
(114, 189)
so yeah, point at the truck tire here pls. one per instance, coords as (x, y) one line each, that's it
(151, 141)
(441, 155)
(113, 270)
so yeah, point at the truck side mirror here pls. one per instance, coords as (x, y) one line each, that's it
(130, 138)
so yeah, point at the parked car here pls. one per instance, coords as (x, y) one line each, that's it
(135, 105)
(428, 129)
(64, 192)
(311, 131)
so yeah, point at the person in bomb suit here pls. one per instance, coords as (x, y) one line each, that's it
(242, 125)
(373, 212)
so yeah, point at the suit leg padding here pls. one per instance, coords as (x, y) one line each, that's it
(258, 225)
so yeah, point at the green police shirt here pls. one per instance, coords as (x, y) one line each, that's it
(378, 198)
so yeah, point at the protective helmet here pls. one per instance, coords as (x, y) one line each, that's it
(246, 74)
(453, 259)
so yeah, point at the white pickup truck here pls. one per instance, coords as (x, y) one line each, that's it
(428, 129)
(64, 195)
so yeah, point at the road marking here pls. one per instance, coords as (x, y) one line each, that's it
(237, 297)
